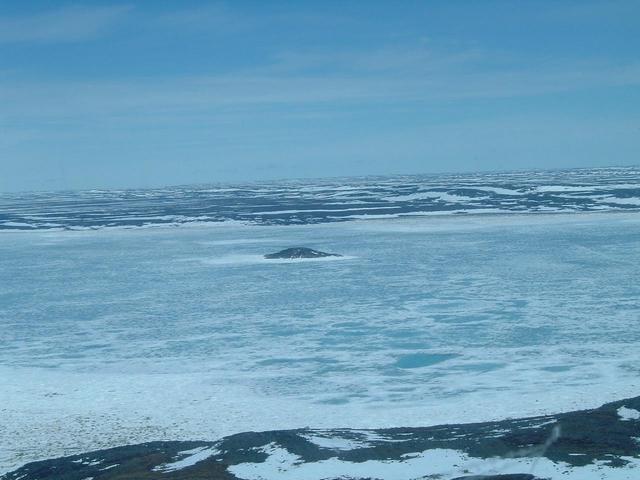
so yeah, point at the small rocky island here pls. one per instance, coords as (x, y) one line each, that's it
(299, 252)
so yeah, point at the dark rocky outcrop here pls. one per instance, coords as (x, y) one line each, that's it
(299, 252)
(603, 438)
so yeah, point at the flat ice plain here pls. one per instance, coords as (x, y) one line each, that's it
(123, 336)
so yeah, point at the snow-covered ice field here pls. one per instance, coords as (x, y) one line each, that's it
(120, 336)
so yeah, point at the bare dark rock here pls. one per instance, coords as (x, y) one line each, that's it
(299, 252)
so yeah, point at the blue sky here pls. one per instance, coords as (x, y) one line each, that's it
(135, 94)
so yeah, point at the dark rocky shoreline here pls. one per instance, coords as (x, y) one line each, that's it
(606, 439)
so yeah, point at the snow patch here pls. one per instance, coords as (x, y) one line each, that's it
(627, 414)
(336, 443)
(431, 195)
(194, 456)
(445, 463)
(253, 259)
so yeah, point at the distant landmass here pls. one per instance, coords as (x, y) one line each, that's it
(299, 252)
(597, 443)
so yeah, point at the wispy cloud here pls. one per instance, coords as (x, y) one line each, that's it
(385, 76)
(413, 59)
(68, 24)
(211, 17)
